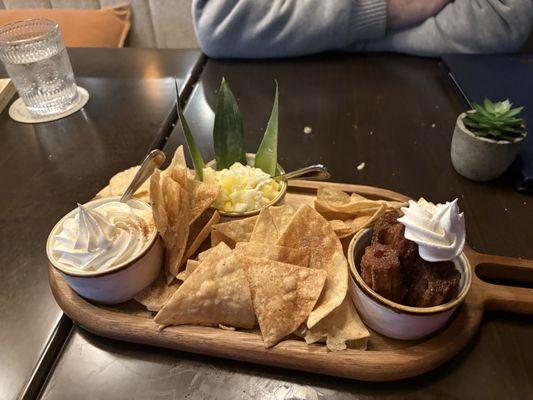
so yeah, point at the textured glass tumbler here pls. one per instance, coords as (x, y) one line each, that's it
(37, 62)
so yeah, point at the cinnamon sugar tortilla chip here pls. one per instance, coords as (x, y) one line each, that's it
(216, 253)
(270, 223)
(217, 237)
(282, 215)
(105, 192)
(283, 295)
(264, 229)
(144, 196)
(336, 204)
(341, 228)
(351, 226)
(199, 231)
(157, 294)
(231, 232)
(212, 295)
(158, 205)
(309, 231)
(202, 195)
(211, 258)
(177, 168)
(201, 256)
(170, 205)
(179, 175)
(273, 252)
(341, 328)
(189, 269)
(120, 182)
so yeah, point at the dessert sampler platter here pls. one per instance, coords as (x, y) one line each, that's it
(230, 260)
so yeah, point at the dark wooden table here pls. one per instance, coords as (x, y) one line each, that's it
(394, 113)
(47, 168)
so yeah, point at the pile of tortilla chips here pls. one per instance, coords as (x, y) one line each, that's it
(283, 270)
(181, 207)
(348, 214)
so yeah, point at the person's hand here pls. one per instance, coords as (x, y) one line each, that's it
(404, 13)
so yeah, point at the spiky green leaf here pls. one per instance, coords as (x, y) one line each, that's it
(228, 132)
(266, 157)
(196, 156)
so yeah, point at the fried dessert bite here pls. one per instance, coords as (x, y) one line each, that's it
(389, 231)
(393, 268)
(433, 284)
(382, 271)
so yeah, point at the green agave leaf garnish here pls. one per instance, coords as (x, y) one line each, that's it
(196, 156)
(228, 131)
(266, 157)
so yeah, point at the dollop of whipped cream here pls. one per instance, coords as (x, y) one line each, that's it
(100, 238)
(439, 230)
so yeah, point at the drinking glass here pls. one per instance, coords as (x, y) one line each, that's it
(37, 62)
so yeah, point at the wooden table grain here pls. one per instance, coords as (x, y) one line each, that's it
(396, 115)
(46, 168)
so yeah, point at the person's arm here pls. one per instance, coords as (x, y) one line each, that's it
(464, 26)
(282, 28)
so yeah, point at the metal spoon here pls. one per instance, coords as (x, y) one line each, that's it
(153, 160)
(315, 172)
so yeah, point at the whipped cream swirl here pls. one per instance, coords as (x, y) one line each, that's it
(100, 238)
(439, 230)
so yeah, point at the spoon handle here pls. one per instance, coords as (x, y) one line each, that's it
(315, 172)
(153, 160)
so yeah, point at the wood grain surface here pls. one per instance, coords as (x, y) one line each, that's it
(46, 168)
(385, 360)
(395, 113)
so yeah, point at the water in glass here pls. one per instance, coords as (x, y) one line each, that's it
(37, 62)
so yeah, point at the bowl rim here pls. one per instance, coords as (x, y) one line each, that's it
(250, 213)
(401, 308)
(67, 270)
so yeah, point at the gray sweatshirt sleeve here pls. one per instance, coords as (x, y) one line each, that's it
(464, 26)
(283, 28)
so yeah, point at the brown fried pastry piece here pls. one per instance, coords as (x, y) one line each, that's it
(382, 271)
(432, 284)
(392, 267)
(390, 232)
(387, 229)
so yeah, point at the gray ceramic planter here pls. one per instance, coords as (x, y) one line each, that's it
(479, 158)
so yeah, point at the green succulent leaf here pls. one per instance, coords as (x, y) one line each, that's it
(496, 120)
(228, 131)
(266, 157)
(196, 156)
(513, 112)
(489, 105)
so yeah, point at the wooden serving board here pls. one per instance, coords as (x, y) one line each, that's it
(384, 360)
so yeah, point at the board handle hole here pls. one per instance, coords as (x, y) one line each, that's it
(498, 274)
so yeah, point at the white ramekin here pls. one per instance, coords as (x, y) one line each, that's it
(393, 319)
(119, 283)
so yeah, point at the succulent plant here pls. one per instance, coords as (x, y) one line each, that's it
(497, 120)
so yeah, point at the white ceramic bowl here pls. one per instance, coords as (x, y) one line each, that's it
(393, 319)
(116, 284)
